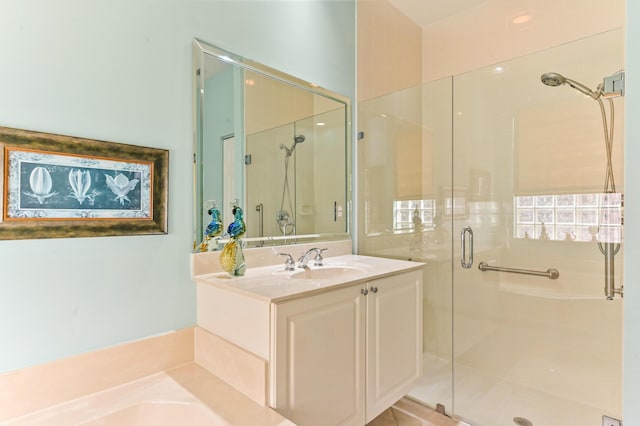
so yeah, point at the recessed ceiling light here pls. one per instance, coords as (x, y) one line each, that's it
(522, 19)
(320, 124)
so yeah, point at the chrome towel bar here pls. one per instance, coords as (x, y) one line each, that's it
(550, 273)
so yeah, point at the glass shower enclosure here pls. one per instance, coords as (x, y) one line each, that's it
(493, 169)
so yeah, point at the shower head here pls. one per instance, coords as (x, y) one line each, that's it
(554, 79)
(296, 140)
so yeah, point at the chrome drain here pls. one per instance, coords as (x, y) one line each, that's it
(521, 421)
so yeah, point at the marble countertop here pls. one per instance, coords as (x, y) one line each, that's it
(273, 284)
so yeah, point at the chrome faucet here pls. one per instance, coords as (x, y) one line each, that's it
(289, 264)
(304, 259)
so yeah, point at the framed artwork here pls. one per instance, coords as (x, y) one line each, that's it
(57, 186)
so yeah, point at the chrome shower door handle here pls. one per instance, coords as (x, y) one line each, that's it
(463, 237)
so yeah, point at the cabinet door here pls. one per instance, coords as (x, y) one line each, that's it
(318, 358)
(394, 339)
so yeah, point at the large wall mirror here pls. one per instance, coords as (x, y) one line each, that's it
(276, 145)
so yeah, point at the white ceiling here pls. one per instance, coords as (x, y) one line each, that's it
(425, 12)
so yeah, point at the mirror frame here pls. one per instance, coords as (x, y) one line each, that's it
(199, 50)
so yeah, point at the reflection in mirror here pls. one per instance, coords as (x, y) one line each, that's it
(278, 145)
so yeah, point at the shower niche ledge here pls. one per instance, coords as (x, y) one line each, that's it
(339, 349)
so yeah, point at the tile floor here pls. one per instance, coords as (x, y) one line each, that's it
(409, 413)
(496, 402)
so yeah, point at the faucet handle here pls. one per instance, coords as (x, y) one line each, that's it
(318, 260)
(289, 264)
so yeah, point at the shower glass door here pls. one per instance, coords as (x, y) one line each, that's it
(529, 165)
(404, 175)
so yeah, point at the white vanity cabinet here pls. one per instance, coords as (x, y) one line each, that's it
(343, 356)
(394, 339)
(318, 359)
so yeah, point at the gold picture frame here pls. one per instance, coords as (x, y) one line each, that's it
(56, 186)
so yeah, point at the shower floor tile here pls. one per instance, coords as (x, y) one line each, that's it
(489, 401)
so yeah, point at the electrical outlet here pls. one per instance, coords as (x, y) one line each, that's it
(610, 421)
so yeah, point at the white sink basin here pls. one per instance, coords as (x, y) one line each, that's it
(327, 272)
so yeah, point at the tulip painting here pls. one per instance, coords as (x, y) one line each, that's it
(41, 184)
(80, 181)
(65, 187)
(56, 186)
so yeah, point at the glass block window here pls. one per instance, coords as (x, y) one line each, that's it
(409, 213)
(456, 206)
(571, 217)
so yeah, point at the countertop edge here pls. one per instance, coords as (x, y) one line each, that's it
(399, 266)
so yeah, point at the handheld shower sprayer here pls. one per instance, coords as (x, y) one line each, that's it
(283, 217)
(554, 79)
(616, 83)
(296, 140)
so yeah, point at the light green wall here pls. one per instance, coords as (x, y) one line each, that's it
(632, 214)
(120, 70)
